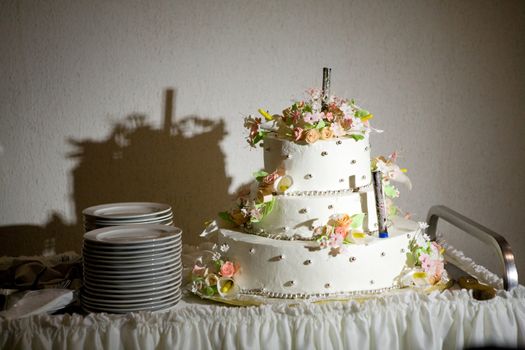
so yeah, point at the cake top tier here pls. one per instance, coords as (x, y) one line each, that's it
(310, 120)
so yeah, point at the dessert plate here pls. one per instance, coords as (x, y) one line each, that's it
(124, 252)
(127, 210)
(118, 265)
(162, 216)
(132, 272)
(96, 258)
(140, 248)
(133, 288)
(125, 280)
(132, 235)
(94, 226)
(167, 217)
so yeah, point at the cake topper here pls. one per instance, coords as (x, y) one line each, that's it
(326, 88)
(380, 203)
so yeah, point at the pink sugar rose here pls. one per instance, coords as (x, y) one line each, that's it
(425, 261)
(270, 178)
(336, 240)
(297, 133)
(227, 269)
(329, 116)
(295, 116)
(436, 248)
(340, 230)
(199, 271)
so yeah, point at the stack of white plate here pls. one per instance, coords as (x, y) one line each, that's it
(132, 268)
(130, 213)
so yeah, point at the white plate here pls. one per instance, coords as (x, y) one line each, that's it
(103, 301)
(88, 227)
(130, 253)
(132, 288)
(105, 271)
(132, 274)
(94, 226)
(160, 216)
(132, 234)
(92, 221)
(101, 259)
(146, 279)
(133, 249)
(112, 265)
(152, 307)
(110, 296)
(127, 210)
(131, 257)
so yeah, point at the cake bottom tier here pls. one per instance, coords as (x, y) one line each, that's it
(295, 269)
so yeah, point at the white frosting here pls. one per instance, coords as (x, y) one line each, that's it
(291, 267)
(299, 215)
(335, 164)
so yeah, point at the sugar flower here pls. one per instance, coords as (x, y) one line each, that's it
(422, 225)
(314, 93)
(337, 130)
(297, 133)
(211, 280)
(348, 112)
(335, 240)
(227, 269)
(312, 136)
(326, 133)
(226, 287)
(312, 117)
(200, 271)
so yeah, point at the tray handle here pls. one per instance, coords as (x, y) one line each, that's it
(487, 236)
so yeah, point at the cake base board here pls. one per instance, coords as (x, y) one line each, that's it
(257, 300)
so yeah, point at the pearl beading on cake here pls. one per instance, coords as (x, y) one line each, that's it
(295, 237)
(364, 188)
(268, 294)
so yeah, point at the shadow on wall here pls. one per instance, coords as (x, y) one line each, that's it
(181, 165)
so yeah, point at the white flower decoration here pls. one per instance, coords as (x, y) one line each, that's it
(422, 225)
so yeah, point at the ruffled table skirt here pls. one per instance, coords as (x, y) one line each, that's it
(448, 320)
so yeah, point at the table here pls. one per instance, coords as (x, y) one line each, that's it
(452, 319)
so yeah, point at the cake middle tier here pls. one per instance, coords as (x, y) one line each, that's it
(298, 216)
(334, 164)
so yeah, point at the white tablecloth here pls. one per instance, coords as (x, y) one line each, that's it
(450, 320)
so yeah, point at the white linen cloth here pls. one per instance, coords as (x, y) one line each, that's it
(448, 320)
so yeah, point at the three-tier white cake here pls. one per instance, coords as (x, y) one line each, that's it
(282, 258)
(313, 223)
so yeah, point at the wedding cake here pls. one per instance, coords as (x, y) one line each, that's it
(318, 221)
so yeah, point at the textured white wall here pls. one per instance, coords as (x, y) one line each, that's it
(83, 87)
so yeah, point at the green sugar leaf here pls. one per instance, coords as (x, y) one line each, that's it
(321, 124)
(357, 220)
(226, 216)
(259, 175)
(269, 207)
(361, 113)
(209, 291)
(357, 137)
(260, 136)
(390, 191)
